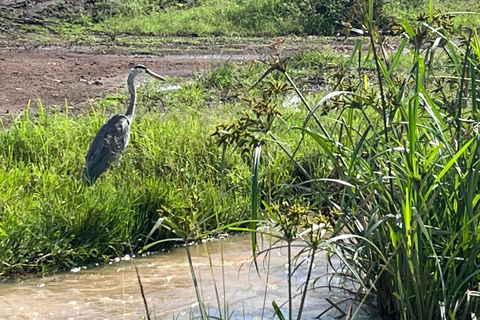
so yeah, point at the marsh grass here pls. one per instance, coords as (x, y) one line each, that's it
(263, 17)
(49, 221)
(406, 176)
(402, 195)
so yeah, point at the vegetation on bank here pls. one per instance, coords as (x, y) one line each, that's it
(50, 221)
(402, 196)
(386, 151)
(244, 18)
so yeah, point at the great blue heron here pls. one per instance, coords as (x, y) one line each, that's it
(112, 138)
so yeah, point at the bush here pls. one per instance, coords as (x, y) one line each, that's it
(402, 195)
(312, 17)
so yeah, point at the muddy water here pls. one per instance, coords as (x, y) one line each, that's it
(112, 291)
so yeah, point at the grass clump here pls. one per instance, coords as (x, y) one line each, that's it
(50, 221)
(401, 197)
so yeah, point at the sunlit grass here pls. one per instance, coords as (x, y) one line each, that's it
(264, 17)
(202, 20)
(50, 220)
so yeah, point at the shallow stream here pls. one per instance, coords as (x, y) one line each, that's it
(112, 291)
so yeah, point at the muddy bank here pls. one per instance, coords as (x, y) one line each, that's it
(55, 76)
(76, 72)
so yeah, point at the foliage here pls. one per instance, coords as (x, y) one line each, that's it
(84, 20)
(260, 17)
(405, 166)
(50, 221)
(404, 151)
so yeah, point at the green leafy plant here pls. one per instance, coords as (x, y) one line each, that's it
(408, 174)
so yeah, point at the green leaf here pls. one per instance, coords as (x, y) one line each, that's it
(453, 160)
(255, 196)
(278, 312)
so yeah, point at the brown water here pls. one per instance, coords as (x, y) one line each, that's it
(112, 291)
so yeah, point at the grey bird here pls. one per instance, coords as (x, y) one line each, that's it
(112, 138)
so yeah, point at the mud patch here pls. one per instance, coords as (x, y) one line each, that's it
(56, 76)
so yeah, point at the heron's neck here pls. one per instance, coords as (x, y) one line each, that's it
(131, 105)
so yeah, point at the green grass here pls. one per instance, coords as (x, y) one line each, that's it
(203, 20)
(247, 18)
(212, 17)
(266, 17)
(50, 221)
(465, 13)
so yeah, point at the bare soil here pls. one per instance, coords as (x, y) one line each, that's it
(56, 75)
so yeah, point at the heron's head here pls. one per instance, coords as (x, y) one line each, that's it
(139, 69)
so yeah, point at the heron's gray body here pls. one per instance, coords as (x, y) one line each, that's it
(113, 137)
(108, 146)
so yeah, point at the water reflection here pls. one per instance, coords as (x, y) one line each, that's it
(112, 291)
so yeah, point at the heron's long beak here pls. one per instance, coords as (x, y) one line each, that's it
(157, 76)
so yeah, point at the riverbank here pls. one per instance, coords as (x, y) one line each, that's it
(74, 73)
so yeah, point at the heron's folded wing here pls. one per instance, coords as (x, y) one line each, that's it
(108, 145)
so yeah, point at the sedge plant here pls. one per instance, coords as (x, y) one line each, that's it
(407, 174)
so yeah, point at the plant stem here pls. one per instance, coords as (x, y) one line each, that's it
(307, 280)
(384, 103)
(269, 255)
(213, 278)
(290, 311)
(142, 292)
(203, 313)
(460, 92)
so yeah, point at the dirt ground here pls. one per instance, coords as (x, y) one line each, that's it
(56, 75)
(63, 71)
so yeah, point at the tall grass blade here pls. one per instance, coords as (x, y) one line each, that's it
(396, 58)
(142, 292)
(255, 196)
(307, 282)
(453, 160)
(203, 312)
(277, 310)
